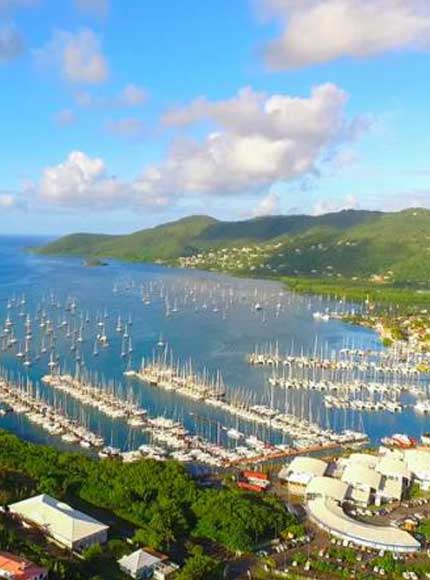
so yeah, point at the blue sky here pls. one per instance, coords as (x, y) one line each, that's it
(119, 115)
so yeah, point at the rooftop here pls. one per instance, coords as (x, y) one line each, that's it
(57, 518)
(18, 568)
(328, 514)
(141, 559)
(327, 487)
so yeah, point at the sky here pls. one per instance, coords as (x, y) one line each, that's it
(116, 115)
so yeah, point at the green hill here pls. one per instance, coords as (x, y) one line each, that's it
(389, 248)
(193, 234)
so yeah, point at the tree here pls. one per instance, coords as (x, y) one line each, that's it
(199, 567)
(92, 553)
(238, 521)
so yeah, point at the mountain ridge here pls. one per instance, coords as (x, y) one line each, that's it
(388, 247)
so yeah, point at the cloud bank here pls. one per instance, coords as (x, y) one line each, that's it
(258, 140)
(254, 141)
(318, 31)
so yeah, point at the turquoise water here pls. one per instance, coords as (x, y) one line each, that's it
(212, 320)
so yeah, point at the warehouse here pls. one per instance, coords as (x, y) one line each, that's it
(68, 527)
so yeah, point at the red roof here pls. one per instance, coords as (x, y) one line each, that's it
(19, 568)
(249, 486)
(255, 475)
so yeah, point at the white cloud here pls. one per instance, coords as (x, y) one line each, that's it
(269, 205)
(78, 56)
(82, 181)
(11, 43)
(128, 127)
(317, 31)
(93, 7)
(132, 96)
(79, 180)
(65, 118)
(259, 140)
(330, 206)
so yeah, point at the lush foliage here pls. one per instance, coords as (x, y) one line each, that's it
(97, 564)
(199, 567)
(159, 500)
(237, 521)
(198, 233)
(156, 497)
(354, 252)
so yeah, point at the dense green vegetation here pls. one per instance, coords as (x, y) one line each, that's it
(158, 504)
(355, 252)
(198, 233)
(164, 242)
(199, 567)
(361, 291)
(227, 517)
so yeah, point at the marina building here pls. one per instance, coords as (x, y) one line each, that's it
(418, 462)
(394, 469)
(302, 470)
(363, 459)
(375, 478)
(329, 515)
(15, 568)
(363, 481)
(326, 488)
(65, 525)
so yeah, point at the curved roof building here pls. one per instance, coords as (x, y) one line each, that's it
(328, 515)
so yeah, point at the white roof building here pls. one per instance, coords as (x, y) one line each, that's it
(67, 526)
(302, 470)
(141, 563)
(364, 459)
(393, 468)
(361, 477)
(390, 490)
(418, 462)
(329, 516)
(327, 488)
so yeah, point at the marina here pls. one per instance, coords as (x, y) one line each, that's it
(104, 348)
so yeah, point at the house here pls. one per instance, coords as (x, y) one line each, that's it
(142, 564)
(15, 568)
(65, 525)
